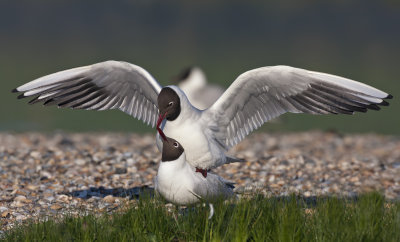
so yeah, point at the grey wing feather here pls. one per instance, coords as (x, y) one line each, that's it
(216, 187)
(230, 159)
(262, 94)
(102, 86)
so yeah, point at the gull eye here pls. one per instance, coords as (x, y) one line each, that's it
(170, 103)
(176, 144)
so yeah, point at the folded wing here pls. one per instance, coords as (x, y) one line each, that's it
(101, 86)
(265, 93)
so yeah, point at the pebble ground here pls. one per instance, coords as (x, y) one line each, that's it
(46, 175)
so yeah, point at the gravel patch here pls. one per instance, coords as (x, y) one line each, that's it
(51, 175)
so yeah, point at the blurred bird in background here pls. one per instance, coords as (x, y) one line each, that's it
(193, 81)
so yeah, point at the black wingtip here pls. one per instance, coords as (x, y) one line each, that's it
(383, 103)
(48, 102)
(21, 96)
(390, 96)
(374, 107)
(34, 100)
(14, 90)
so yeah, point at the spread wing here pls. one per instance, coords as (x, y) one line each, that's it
(265, 93)
(101, 86)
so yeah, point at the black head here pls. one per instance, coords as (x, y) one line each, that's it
(172, 150)
(183, 75)
(170, 103)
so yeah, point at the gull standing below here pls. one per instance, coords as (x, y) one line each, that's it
(178, 182)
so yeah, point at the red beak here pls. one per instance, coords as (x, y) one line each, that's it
(159, 121)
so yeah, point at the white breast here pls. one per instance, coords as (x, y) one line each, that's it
(178, 183)
(200, 149)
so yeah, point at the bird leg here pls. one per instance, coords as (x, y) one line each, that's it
(211, 211)
(202, 171)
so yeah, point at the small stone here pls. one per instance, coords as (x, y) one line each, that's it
(354, 179)
(132, 169)
(56, 207)
(66, 141)
(5, 214)
(92, 199)
(120, 170)
(32, 187)
(20, 217)
(396, 165)
(127, 154)
(18, 204)
(63, 198)
(20, 199)
(45, 175)
(130, 162)
(35, 154)
(80, 162)
(21, 192)
(109, 199)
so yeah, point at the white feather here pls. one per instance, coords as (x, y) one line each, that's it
(53, 78)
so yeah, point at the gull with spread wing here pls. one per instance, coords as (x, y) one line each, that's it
(254, 98)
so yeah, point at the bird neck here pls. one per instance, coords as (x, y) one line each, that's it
(175, 165)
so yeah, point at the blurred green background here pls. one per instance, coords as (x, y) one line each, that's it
(357, 39)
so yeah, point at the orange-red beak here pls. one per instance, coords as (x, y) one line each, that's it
(159, 121)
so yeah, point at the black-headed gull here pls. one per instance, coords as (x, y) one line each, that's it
(254, 98)
(178, 182)
(193, 82)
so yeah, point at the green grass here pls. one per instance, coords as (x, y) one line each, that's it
(368, 218)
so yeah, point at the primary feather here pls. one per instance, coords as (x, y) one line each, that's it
(102, 86)
(262, 94)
